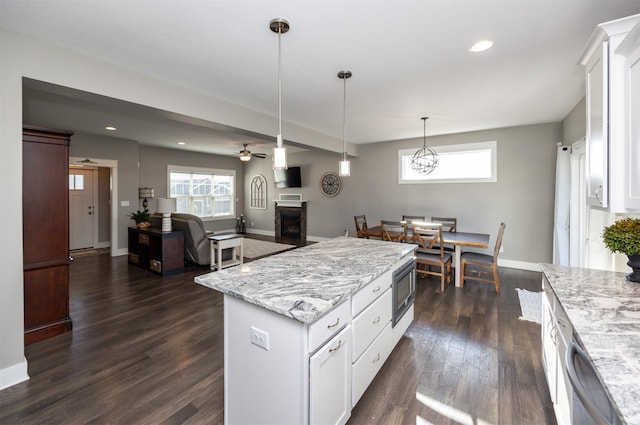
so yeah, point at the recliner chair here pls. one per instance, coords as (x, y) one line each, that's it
(196, 243)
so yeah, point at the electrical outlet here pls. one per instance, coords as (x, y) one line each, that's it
(501, 248)
(260, 338)
(252, 224)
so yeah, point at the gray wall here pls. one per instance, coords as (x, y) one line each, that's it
(523, 196)
(126, 153)
(153, 173)
(574, 125)
(104, 198)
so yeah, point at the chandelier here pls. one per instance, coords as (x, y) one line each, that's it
(425, 160)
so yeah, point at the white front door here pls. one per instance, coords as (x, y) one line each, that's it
(81, 208)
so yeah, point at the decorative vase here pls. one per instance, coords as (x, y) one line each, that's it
(634, 263)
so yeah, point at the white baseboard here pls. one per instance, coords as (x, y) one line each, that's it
(272, 233)
(121, 251)
(13, 375)
(522, 265)
(262, 232)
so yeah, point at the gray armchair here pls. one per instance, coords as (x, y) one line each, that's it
(196, 243)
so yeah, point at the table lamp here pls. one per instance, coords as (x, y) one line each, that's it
(166, 206)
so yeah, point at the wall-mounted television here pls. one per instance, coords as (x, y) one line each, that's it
(287, 178)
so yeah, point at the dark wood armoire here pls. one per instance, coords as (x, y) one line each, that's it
(45, 235)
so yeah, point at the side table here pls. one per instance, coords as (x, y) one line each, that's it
(220, 242)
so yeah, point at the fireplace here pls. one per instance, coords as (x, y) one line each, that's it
(291, 222)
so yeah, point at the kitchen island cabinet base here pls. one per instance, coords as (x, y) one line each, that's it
(278, 372)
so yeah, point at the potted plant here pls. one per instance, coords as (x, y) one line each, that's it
(623, 236)
(142, 218)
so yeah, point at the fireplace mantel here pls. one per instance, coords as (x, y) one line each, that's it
(284, 211)
(289, 200)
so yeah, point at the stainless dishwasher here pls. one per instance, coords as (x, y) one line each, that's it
(591, 403)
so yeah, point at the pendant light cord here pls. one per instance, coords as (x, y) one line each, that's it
(280, 87)
(344, 119)
(424, 132)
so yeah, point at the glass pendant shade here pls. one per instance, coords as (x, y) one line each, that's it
(279, 155)
(344, 168)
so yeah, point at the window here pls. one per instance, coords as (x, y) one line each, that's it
(207, 193)
(259, 192)
(464, 163)
(76, 182)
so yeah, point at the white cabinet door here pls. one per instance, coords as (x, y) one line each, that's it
(597, 127)
(330, 381)
(549, 346)
(632, 67)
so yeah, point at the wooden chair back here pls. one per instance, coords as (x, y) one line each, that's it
(428, 236)
(361, 224)
(496, 250)
(394, 231)
(431, 252)
(410, 218)
(449, 224)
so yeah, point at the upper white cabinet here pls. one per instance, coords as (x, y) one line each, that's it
(629, 49)
(606, 115)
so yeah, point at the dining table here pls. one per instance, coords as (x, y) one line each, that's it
(459, 240)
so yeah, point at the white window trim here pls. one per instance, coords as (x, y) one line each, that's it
(201, 170)
(492, 145)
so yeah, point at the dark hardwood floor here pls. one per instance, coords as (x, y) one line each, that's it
(149, 350)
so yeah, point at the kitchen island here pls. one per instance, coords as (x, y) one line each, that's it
(307, 330)
(599, 310)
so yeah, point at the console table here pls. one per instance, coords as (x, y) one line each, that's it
(220, 242)
(155, 250)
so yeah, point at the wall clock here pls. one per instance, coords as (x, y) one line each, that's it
(330, 184)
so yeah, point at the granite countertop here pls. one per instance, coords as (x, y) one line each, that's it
(308, 282)
(604, 309)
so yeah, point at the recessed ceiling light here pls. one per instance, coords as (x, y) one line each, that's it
(182, 143)
(481, 46)
(110, 128)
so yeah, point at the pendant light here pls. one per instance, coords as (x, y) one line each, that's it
(279, 26)
(425, 160)
(344, 167)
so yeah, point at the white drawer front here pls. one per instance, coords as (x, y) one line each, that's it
(366, 368)
(328, 325)
(370, 323)
(369, 293)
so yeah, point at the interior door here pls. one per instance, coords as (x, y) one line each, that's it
(81, 208)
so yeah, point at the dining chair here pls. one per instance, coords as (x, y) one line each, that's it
(361, 225)
(410, 219)
(449, 224)
(394, 231)
(430, 252)
(482, 267)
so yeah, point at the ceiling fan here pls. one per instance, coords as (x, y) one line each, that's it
(245, 154)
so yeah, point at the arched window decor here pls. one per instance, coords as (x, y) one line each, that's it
(258, 192)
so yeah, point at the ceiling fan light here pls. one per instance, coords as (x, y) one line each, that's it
(245, 156)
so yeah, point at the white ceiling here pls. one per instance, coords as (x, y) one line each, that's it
(409, 59)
